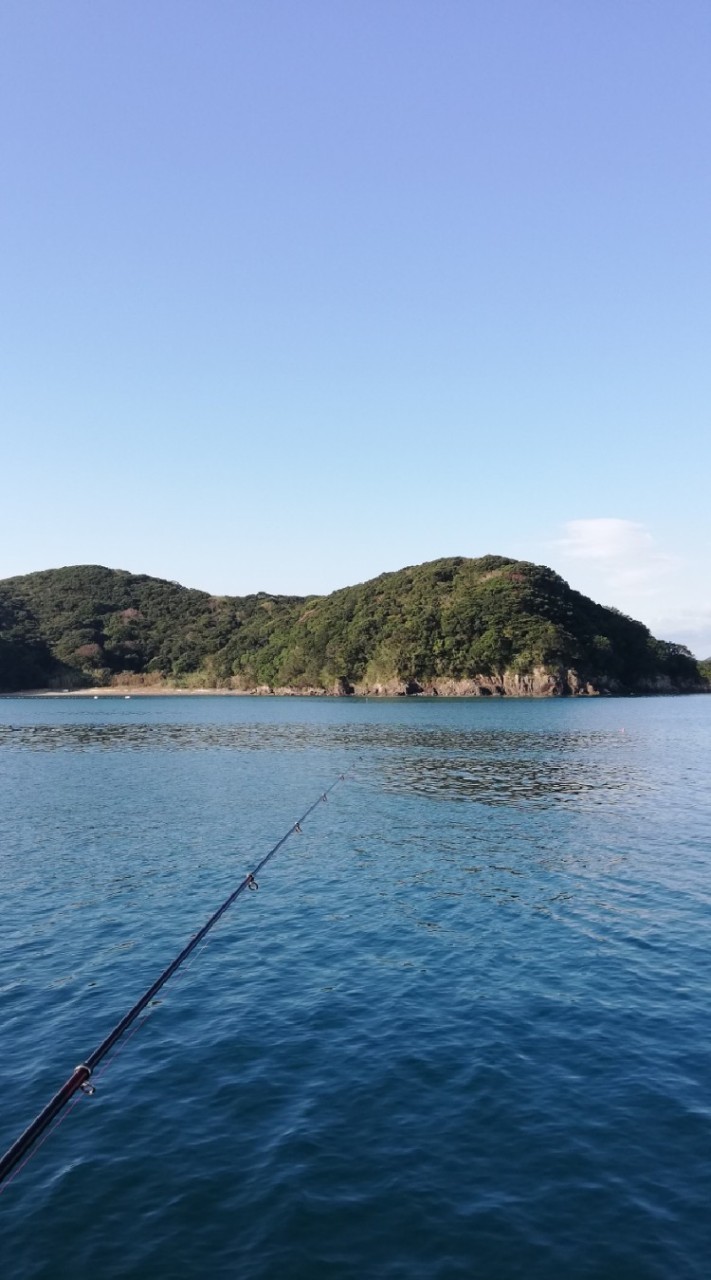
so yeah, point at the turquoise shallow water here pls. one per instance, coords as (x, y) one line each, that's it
(461, 1031)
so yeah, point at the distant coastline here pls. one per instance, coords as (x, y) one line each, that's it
(490, 627)
(129, 691)
(123, 692)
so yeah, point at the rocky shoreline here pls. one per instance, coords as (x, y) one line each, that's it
(539, 683)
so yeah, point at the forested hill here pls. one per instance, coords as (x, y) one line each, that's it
(491, 625)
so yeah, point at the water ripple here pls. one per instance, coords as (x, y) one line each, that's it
(462, 1030)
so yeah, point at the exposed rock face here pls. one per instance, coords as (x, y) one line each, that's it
(539, 683)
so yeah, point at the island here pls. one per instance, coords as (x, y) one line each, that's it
(486, 627)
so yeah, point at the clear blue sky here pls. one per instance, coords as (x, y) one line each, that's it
(293, 293)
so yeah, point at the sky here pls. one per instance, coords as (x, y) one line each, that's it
(294, 294)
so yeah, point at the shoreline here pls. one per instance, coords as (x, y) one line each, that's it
(125, 692)
(133, 691)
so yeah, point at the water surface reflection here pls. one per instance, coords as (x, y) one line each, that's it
(491, 767)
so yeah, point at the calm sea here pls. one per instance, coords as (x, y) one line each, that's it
(462, 1030)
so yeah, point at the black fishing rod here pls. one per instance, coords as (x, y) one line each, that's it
(79, 1079)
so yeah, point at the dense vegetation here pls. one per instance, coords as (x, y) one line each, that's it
(452, 618)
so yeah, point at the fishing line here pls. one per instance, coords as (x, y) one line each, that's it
(81, 1075)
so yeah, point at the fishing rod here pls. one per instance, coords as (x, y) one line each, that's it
(81, 1075)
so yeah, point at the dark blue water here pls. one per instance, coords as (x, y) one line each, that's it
(461, 1031)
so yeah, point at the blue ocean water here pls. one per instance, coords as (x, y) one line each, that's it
(462, 1030)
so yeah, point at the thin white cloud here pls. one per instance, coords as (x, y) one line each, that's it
(622, 551)
(691, 627)
(620, 563)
